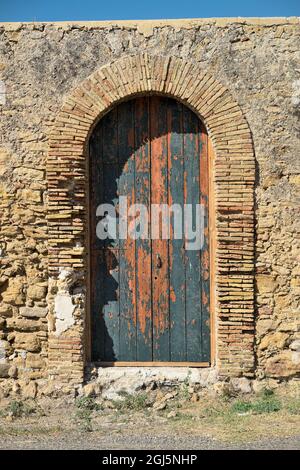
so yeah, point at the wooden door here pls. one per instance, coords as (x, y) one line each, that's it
(149, 296)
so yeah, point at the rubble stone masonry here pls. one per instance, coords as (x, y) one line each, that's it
(242, 77)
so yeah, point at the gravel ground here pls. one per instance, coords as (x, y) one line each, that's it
(133, 423)
(161, 442)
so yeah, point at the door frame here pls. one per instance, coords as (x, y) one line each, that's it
(212, 270)
(234, 179)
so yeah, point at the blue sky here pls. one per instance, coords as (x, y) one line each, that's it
(61, 10)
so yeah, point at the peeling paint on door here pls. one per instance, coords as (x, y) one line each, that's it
(149, 296)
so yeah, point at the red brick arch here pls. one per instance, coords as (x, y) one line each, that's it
(234, 175)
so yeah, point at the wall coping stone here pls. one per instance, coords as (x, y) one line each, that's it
(146, 27)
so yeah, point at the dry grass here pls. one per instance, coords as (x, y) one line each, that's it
(231, 421)
(228, 419)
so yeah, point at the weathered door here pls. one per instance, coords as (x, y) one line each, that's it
(149, 296)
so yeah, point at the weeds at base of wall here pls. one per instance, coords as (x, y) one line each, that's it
(85, 406)
(21, 409)
(268, 414)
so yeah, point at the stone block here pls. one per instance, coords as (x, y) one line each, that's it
(266, 284)
(295, 345)
(276, 340)
(6, 310)
(22, 324)
(14, 293)
(36, 292)
(4, 370)
(35, 361)
(27, 341)
(29, 195)
(284, 365)
(33, 312)
(29, 390)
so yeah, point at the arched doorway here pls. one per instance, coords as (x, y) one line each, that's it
(150, 288)
(232, 217)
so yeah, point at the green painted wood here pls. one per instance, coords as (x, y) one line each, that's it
(109, 259)
(106, 171)
(127, 265)
(176, 246)
(96, 264)
(97, 320)
(110, 303)
(153, 150)
(109, 124)
(143, 245)
(160, 257)
(96, 182)
(192, 257)
(110, 185)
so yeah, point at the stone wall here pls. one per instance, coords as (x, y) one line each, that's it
(257, 61)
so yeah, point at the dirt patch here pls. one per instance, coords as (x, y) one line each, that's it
(181, 418)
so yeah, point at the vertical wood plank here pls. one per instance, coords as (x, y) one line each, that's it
(96, 257)
(104, 262)
(97, 299)
(96, 181)
(110, 256)
(110, 182)
(192, 257)
(109, 269)
(96, 266)
(110, 136)
(127, 246)
(160, 256)
(143, 245)
(176, 246)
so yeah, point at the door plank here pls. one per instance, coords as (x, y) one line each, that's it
(143, 245)
(109, 269)
(96, 183)
(96, 266)
(126, 187)
(110, 181)
(109, 247)
(192, 257)
(109, 124)
(176, 246)
(160, 256)
(97, 302)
